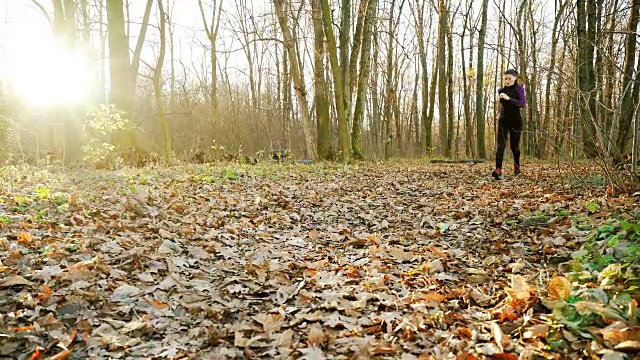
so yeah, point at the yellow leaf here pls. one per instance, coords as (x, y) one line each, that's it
(25, 238)
(519, 289)
(559, 288)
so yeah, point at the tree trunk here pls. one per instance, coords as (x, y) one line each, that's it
(469, 148)
(424, 114)
(102, 83)
(322, 102)
(450, 110)
(629, 94)
(585, 78)
(157, 84)
(345, 32)
(480, 84)
(363, 77)
(137, 53)
(389, 89)
(212, 34)
(546, 122)
(287, 100)
(441, 62)
(343, 125)
(298, 81)
(375, 98)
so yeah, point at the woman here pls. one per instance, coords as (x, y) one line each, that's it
(512, 98)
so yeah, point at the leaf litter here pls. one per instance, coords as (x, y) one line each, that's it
(402, 260)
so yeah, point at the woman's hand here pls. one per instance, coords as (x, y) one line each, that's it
(505, 97)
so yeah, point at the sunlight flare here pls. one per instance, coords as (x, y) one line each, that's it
(45, 72)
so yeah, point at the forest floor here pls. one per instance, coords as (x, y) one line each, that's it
(400, 260)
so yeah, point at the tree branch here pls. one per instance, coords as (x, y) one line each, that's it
(43, 11)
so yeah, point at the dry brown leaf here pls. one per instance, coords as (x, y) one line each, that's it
(25, 238)
(13, 280)
(520, 289)
(316, 336)
(559, 288)
(536, 331)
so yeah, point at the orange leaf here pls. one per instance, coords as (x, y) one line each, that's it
(25, 238)
(74, 335)
(158, 304)
(36, 354)
(23, 328)
(559, 288)
(431, 296)
(60, 356)
(384, 350)
(505, 356)
(508, 314)
(466, 356)
(46, 292)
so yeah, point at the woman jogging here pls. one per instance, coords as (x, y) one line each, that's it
(512, 98)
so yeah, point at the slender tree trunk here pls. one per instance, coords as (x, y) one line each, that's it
(157, 83)
(363, 77)
(450, 110)
(375, 98)
(469, 148)
(441, 62)
(137, 53)
(102, 83)
(345, 38)
(629, 94)
(480, 84)
(343, 125)
(389, 88)
(297, 80)
(212, 34)
(287, 100)
(546, 122)
(425, 119)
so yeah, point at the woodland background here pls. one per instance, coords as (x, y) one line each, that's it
(335, 79)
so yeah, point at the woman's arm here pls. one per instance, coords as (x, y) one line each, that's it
(522, 97)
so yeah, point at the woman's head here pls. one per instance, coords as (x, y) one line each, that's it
(510, 77)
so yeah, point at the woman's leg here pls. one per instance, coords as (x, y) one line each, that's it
(502, 144)
(514, 143)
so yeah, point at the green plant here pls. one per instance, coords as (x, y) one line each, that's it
(230, 174)
(102, 123)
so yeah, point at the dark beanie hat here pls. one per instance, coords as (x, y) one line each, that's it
(511, 72)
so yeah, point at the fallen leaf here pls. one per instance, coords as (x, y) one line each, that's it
(13, 280)
(536, 331)
(519, 290)
(60, 356)
(312, 353)
(488, 349)
(559, 288)
(316, 337)
(125, 293)
(157, 304)
(24, 238)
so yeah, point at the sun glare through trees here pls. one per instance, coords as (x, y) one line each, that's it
(48, 73)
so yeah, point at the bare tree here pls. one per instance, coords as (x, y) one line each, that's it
(630, 91)
(363, 78)
(320, 85)
(343, 125)
(480, 135)
(301, 92)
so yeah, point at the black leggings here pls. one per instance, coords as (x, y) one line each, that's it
(514, 142)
